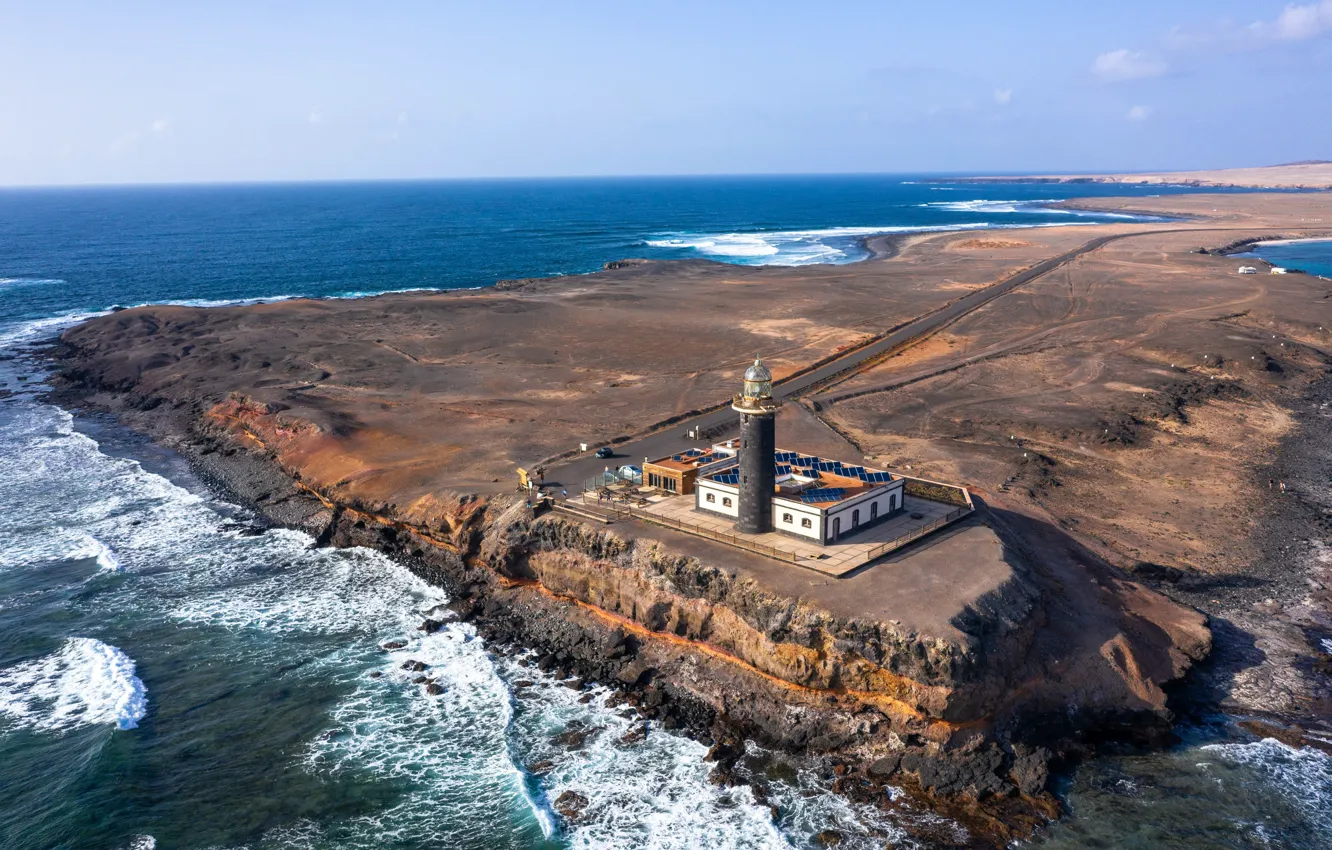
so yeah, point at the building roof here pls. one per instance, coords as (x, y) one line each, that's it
(690, 459)
(823, 482)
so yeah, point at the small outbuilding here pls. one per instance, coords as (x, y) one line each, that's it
(678, 473)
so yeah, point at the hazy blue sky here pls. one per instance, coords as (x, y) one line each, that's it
(137, 91)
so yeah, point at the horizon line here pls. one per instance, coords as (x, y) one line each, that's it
(314, 181)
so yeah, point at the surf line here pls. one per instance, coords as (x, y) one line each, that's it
(882, 700)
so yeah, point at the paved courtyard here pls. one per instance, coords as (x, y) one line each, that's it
(853, 551)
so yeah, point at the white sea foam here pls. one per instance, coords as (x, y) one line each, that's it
(15, 282)
(96, 549)
(85, 683)
(456, 756)
(1303, 776)
(806, 247)
(1033, 206)
(788, 247)
(26, 332)
(988, 206)
(656, 793)
(142, 842)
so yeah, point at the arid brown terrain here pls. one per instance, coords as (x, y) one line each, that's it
(1312, 174)
(1119, 417)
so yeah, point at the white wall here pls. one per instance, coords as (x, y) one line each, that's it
(884, 498)
(720, 493)
(797, 511)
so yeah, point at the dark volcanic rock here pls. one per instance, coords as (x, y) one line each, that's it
(1030, 768)
(636, 733)
(885, 767)
(570, 805)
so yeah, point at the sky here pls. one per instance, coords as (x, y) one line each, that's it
(130, 92)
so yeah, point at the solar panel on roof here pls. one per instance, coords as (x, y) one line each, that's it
(823, 494)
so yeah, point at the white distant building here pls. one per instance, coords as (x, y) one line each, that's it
(1279, 270)
(1247, 270)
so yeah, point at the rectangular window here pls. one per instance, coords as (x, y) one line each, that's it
(787, 518)
(805, 523)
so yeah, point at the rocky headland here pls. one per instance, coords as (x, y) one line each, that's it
(964, 670)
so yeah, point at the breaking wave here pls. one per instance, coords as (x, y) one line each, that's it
(1303, 776)
(98, 551)
(85, 683)
(1038, 206)
(834, 245)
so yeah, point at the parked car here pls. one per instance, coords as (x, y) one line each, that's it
(605, 451)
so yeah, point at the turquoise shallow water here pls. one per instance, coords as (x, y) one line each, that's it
(1311, 257)
(169, 678)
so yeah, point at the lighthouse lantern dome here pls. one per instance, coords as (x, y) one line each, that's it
(758, 381)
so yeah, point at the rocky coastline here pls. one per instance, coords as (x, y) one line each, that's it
(971, 729)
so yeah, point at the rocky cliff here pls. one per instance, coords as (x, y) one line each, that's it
(1051, 654)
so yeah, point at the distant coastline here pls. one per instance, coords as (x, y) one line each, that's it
(1310, 175)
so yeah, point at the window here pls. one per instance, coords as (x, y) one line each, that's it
(711, 497)
(787, 518)
(726, 501)
(805, 523)
(874, 511)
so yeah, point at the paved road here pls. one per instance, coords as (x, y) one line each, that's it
(572, 473)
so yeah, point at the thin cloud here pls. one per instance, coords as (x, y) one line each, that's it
(1139, 113)
(1124, 64)
(161, 125)
(1298, 23)
(1003, 97)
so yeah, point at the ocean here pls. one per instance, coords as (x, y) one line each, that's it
(1311, 257)
(174, 676)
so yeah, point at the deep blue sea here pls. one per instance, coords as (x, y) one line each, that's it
(170, 678)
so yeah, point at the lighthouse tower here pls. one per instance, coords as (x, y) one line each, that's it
(758, 443)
